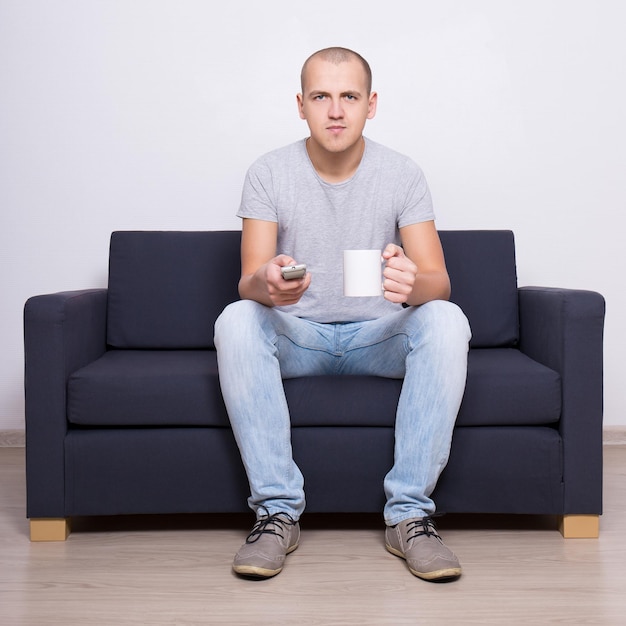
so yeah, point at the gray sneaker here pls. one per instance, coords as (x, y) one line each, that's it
(416, 540)
(267, 545)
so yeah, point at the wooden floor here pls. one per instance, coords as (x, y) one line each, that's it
(176, 570)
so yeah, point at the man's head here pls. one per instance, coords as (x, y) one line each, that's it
(336, 98)
(338, 55)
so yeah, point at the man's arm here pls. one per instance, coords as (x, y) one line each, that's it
(261, 279)
(416, 273)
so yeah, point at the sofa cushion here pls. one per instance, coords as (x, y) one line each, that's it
(148, 388)
(506, 387)
(481, 265)
(166, 289)
(181, 388)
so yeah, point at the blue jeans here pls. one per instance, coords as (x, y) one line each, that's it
(427, 346)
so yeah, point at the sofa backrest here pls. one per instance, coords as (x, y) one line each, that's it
(481, 265)
(167, 288)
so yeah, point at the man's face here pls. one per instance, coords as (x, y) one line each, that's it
(335, 103)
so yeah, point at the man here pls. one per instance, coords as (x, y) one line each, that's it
(306, 203)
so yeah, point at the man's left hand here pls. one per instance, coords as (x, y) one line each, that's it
(399, 274)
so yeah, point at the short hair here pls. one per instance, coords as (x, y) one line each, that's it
(338, 55)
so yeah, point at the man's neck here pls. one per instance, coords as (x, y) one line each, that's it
(335, 167)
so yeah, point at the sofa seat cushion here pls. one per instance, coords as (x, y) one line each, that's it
(507, 388)
(148, 388)
(504, 388)
(181, 388)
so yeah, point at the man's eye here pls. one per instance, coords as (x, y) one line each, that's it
(350, 97)
(320, 96)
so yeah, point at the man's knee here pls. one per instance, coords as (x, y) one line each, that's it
(443, 319)
(236, 320)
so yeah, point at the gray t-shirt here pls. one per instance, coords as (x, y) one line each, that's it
(318, 220)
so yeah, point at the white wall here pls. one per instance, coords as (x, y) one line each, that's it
(145, 114)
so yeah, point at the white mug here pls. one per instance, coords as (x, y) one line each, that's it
(362, 273)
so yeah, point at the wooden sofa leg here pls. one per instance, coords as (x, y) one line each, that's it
(580, 526)
(49, 529)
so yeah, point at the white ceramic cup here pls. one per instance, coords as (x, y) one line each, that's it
(362, 273)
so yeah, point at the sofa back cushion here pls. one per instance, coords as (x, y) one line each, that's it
(166, 289)
(481, 265)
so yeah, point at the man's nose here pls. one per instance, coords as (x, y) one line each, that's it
(336, 110)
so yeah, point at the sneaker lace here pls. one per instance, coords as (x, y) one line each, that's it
(270, 525)
(422, 527)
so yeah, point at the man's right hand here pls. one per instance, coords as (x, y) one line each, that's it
(283, 292)
(267, 285)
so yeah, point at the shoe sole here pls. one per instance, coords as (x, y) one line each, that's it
(441, 575)
(260, 572)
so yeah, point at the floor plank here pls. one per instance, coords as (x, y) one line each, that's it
(176, 570)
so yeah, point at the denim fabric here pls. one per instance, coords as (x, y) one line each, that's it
(426, 346)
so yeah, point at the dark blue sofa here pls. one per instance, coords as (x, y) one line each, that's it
(124, 414)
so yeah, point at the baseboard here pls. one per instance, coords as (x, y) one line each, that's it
(611, 436)
(12, 438)
(614, 435)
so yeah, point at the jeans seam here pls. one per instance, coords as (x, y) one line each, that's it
(301, 345)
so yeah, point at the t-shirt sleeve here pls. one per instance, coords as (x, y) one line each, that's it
(416, 206)
(257, 196)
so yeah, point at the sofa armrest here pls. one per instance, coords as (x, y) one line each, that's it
(563, 329)
(62, 332)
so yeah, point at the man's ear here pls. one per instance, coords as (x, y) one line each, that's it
(373, 102)
(300, 101)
